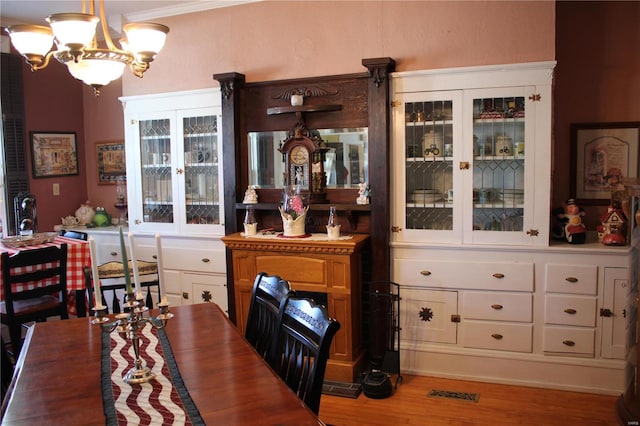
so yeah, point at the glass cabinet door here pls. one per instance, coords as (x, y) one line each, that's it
(201, 171)
(430, 137)
(155, 135)
(499, 140)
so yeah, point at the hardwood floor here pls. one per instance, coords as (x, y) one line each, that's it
(498, 405)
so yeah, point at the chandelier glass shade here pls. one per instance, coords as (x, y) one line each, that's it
(74, 35)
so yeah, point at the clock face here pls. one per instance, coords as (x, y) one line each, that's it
(299, 155)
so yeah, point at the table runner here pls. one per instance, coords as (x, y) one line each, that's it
(162, 401)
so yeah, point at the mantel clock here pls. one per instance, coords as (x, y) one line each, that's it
(304, 164)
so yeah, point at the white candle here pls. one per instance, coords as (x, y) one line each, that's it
(97, 292)
(160, 270)
(134, 265)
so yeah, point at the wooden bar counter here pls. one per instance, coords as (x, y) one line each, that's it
(317, 265)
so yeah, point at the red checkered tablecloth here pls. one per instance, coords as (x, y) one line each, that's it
(78, 256)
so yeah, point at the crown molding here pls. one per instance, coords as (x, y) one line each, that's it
(184, 8)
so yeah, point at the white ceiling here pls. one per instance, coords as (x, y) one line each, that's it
(35, 11)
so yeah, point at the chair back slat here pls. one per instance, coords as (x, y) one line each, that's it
(268, 295)
(301, 349)
(35, 287)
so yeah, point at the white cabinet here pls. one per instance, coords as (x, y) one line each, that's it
(484, 293)
(174, 174)
(194, 267)
(472, 155)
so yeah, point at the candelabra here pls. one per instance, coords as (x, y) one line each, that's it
(129, 325)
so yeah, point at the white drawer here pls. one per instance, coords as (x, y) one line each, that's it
(194, 260)
(569, 340)
(574, 279)
(472, 275)
(570, 310)
(497, 306)
(499, 336)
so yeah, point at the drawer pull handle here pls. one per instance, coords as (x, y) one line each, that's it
(569, 342)
(114, 253)
(570, 311)
(155, 257)
(571, 279)
(497, 336)
(498, 275)
(497, 307)
(425, 273)
(205, 260)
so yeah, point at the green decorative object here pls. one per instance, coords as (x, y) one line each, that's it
(101, 218)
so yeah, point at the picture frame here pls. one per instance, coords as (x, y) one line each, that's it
(603, 155)
(111, 162)
(54, 154)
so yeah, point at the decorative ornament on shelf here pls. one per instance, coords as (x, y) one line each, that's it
(333, 227)
(612, 230)
(250, 195)
(85, 214)
(570, 215)
(363, 194)
(250, 222)
(293, 212)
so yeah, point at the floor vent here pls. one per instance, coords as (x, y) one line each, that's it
(346, 390)
(463, 396)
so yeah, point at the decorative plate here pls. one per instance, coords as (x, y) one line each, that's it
(30, 240)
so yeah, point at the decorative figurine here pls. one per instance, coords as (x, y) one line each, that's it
(613, 230)
(363, 194)
(250, 195)
(571, 215)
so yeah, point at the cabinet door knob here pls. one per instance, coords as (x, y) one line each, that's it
(498, 275)
(425, 273)
(571, 279)
(497, 336)
(497, 307)
(570, 311)
(114, 253)
(185, 295)
(569, 342)
(205, 260)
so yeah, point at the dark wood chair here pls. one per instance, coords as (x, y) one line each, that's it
(268, 295)
(301, 350)
(78, 235)
(42, 273)
(113, 283)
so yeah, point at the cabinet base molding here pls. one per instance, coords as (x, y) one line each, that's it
(609, 377)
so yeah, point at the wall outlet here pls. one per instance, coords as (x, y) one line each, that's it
(56, 189)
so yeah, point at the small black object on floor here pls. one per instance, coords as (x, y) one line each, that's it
(343, 389)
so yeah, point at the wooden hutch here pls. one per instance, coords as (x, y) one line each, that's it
(351, 102)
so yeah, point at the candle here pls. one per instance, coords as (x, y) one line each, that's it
(134, 265)
(125, 264)
(160, 270)
(97, 291)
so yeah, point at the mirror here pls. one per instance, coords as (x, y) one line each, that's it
(346, 164)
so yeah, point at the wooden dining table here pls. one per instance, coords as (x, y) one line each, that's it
(230, 384)
(78, 256)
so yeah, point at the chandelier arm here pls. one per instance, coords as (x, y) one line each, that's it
(44, 63)
(105, 28)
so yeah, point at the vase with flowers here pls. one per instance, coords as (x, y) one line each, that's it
(293, 212)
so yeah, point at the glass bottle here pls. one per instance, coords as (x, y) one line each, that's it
(250, 222)
(333, 228)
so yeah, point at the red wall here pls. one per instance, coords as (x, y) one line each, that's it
(597, 77)
(53, 103)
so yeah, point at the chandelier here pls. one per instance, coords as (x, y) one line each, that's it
(77, 47)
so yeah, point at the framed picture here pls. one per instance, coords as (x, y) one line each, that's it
(112, 163)
(603, 155)
(54, 154)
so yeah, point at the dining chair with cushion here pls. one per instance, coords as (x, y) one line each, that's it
(112, 279)
(78, 235)
(301, 350)
(35, 288)
(268, 295)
